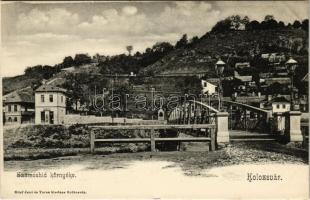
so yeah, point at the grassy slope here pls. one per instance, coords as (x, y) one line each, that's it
(18, 82)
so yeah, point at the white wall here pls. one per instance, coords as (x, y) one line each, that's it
(56, 99)
(208, 87)
(280, 107)
(58, 106)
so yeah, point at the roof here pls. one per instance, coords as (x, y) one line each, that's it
(244, 78)
(291, 61)
(305, 78)
(202, 80)
(220, 62)
(280, 99)
(23, 96)
(50, 88)
(68, 69)
(242, 63)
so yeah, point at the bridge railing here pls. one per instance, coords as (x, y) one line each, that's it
(248, 118)
(193, 112)
(209, 139)
(196, 112)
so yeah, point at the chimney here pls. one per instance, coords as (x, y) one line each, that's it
(269, 97)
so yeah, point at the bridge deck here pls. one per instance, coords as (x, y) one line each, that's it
(246, 136)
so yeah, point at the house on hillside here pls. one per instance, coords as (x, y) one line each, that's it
(208, 88)
(277, 104)
(50, 105)
(19, 107)
(68, 69)
(242, 65)
(274, 57)
(281, 80)
(247, 80)
(99, 58)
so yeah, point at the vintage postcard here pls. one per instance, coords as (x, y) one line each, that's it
(154, 99)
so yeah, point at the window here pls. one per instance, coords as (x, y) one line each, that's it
(9, 108)
(42, 116)
(62, 99)
(15, 108)
(15, 119)
(204, 84)
(283, 106)
(42, 98)
(278, 106)
(51, 117)
(51, 98)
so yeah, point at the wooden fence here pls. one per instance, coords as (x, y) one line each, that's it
(211, 139)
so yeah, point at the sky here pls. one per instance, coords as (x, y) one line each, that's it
(44, 33)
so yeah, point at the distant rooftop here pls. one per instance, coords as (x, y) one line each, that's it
(21, 96)
(291, 61)
(50, 88)
(220, 62)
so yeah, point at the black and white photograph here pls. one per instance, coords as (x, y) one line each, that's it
(154, 99)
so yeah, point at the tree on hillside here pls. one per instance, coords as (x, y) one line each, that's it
(269, 23)
(189, 85)
(305, 25)
(276, 88)
(237, 22)
(193, 41)
(222, 26)
(281, 25)
(162, 47)
(81, 59)
(129, 49)
(68, 62)
(296, 24)
(182, 42)
(253, 25)
(268, 18)
(74, 88)
(45, 71)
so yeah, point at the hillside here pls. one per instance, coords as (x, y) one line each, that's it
(242, 45)
(18, 82)
(186, 56)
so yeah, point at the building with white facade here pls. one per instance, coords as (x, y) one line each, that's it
(208, 88)
(277, 105)
(50, 105)
(19, 107)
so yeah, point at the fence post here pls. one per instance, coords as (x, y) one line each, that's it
(212, 142)
(153, 148)
(293, 128)
(92, 141)
(222, 128)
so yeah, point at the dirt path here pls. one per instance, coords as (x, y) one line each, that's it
(163, 179)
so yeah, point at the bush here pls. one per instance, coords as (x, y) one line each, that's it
(75, 136)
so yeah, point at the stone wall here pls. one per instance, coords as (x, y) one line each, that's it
(92, 119)
(81, 119)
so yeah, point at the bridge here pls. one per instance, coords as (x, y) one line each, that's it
(238, 122)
